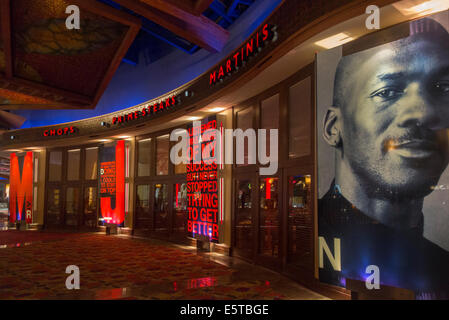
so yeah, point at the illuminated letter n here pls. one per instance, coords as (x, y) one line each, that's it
(335, 259)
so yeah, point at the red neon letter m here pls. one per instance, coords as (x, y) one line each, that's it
(21, 188)
(213, 77)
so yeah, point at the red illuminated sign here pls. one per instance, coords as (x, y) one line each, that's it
(21, 188)
(247, 50)
(202, 186)
(112, 186)
(147, 111)
(59, 132)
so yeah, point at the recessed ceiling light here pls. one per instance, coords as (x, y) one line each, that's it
(410, 7)
(218, 109)
(334, 41)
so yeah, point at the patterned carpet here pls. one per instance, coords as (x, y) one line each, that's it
(13, 238)
(112, 267)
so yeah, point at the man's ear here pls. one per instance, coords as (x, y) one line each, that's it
(331, 127)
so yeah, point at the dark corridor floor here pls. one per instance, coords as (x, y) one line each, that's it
(32, 266)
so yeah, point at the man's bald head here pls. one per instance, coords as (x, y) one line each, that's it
(424, 30)
(390, 117)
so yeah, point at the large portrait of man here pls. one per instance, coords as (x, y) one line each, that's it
(383, 150)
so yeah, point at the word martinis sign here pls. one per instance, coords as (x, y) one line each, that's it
(239, 57)
(202, 187)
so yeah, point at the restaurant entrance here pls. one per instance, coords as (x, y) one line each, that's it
(274, 221)
(245, 199)
(273, 216)
(161, 190)
(72, 188)
(298, 226)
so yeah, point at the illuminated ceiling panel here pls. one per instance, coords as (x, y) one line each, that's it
(45, 65)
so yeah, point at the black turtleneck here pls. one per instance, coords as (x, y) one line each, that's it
(405, 258)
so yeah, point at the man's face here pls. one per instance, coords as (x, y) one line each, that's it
(395, 117)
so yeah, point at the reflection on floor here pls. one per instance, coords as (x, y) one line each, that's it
(3, 220)
(119, 267)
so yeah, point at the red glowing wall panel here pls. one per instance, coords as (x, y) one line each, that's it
(21, 187)
(202, 186)
(112, 183)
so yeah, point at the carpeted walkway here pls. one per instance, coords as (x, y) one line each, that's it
(14, 238)
(113, 267)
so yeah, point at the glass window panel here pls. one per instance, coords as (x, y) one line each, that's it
(36, 166)
(244, 224)
(180, 207)
(34, 198)
(162, 149)
(126, 197)
(143, 157)
(143, 218)
(3, 205)
(269, 118)
(269, 217)
(91, 163)
(73, 164)
(55, 166)
(300, 221)
(127, 150)
(161, 207)
(53, 207)
(180, 168)
(90, 207)
(299, 110)
(244, 122)
(72, 206)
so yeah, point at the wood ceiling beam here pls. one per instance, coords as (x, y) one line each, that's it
(200, 5)
(195, 7)
(108, 12)
(196, 29)
(5, 26)
(43, 87)
(134, 24)
(11, 120)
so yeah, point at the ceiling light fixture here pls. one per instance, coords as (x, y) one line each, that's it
(334, 41)
(215, 110)
(410, 7)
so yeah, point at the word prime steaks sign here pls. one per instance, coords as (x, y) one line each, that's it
(202, 187)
